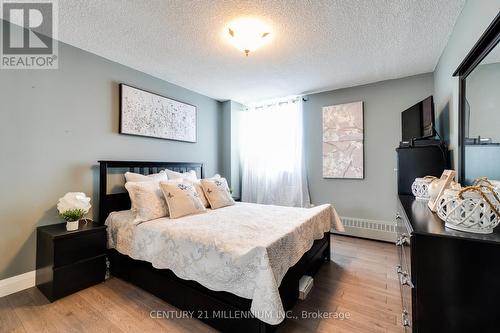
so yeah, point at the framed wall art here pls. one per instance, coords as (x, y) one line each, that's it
(147, 114)
(343, 141)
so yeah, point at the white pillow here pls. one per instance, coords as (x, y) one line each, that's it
(137, 177)
(182, 199)
(148, 202)
(197, 186)
(217, 192)
(191, 174)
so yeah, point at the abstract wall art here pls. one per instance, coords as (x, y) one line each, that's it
(343, 136)
(147, 114)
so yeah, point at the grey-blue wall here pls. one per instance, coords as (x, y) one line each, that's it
(56, 124)
(374, 197)
(230, 148)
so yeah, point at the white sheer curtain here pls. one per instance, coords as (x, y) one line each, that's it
(272, 154)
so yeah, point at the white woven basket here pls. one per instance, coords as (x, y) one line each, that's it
(420, 188)
(472, 214)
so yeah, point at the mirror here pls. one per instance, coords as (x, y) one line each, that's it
(479, 108)
(483, 101)
(482, 119)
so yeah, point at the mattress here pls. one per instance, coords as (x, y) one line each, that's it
(245, 249)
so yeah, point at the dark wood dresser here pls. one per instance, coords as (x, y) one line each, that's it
(68, 261)
(450, 280)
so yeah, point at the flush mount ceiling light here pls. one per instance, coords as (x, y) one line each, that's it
(248, 34)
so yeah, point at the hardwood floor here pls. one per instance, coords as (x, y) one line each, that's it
(360, 283)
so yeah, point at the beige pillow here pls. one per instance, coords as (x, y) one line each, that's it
(137, 177)
(148, 202)
(197, 185)
(217, 192)
(182, 199)
(191, 175)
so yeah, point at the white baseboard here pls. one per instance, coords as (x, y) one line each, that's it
(372, 229)
(17, 283)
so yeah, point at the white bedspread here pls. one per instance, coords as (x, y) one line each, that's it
(245, 249)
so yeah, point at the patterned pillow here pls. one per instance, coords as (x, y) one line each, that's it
(197, 185)
(182, 199)
(217, 192)
(147, 200)
(191, 175)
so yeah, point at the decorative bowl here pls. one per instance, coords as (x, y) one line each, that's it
(474, 209)
(420, 188)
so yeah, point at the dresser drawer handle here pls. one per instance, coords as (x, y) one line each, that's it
(404, 319)
(405, 281)
(404, 277)
(402, 240)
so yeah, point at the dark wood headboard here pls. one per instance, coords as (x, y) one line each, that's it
(121, 201)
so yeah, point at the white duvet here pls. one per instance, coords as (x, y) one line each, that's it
(245, 249)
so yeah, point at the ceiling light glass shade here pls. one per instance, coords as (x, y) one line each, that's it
(248, 34)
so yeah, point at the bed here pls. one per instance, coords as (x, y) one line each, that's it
(235, 268)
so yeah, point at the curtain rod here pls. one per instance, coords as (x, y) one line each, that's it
(293, 100)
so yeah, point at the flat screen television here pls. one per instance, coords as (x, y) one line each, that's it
(418, 121)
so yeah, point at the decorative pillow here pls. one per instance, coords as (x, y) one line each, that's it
(182, 199)
(148, 202)
(137, 177)
(217, 192)
(191, 175)
(197, 186)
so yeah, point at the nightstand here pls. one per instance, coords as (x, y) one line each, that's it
(69, 261)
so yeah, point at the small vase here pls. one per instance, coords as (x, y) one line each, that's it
(72, 226)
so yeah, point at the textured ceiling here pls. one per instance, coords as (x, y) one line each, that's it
(317, 45)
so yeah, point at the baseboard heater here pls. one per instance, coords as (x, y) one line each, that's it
(372, 229)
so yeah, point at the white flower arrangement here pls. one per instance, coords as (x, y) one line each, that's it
(73, 206)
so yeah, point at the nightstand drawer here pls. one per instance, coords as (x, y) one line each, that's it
(72, 249)
(75, 277)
